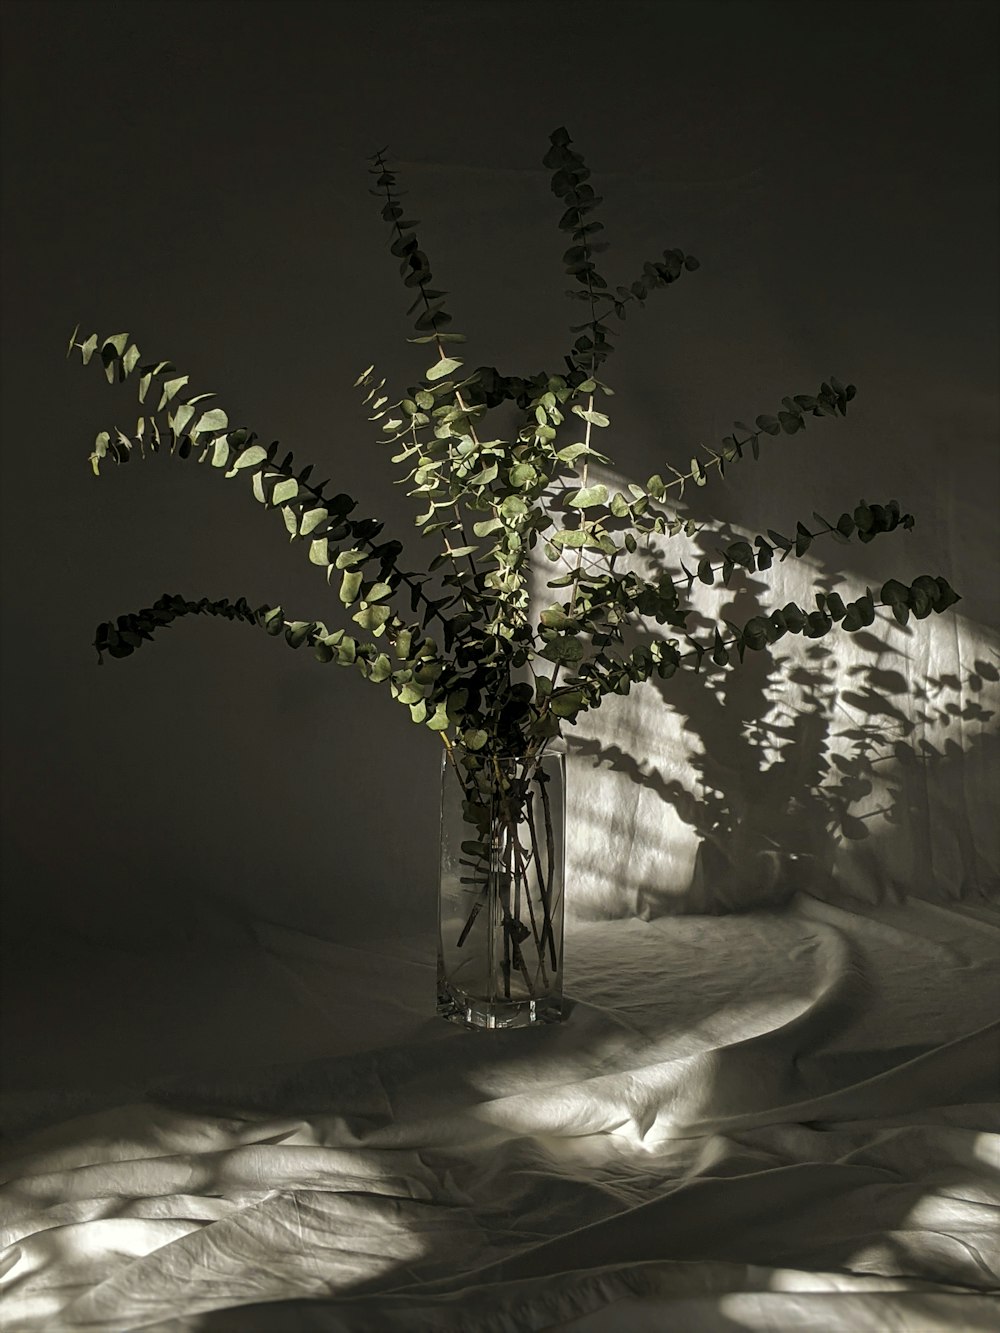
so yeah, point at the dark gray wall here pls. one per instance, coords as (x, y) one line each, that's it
(195, 174)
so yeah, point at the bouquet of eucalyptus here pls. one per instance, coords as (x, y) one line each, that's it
(461, 644)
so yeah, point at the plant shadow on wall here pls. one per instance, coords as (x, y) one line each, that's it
(461, 646)
(796, 762)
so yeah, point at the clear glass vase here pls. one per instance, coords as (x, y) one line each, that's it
(500, 904)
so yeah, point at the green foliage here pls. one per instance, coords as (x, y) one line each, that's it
(496, 678)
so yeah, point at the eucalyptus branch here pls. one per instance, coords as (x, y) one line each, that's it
(569, 182)
(614, 673)
(466, 689)
(656, 273)
(643, 507)
(305, 508)
(412, 678)
(433, 316)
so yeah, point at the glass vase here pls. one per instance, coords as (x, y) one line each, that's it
(500, 904)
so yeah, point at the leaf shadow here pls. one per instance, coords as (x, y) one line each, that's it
(796, 759)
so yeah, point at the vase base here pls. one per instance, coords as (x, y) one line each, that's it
(471, 1012)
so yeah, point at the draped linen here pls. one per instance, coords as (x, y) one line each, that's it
(779, 1119)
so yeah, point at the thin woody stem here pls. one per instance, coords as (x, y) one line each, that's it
(522, 876)
(544, 884)
(550, 867)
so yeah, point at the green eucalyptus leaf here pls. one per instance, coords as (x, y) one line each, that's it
(381, 668)
(588, 496)
(403, 644)
(572, 537)
(756, 633)
(441, 368)
(595, 418)
(298, 632)
(311, 519)
(769, 424)
(554, 617)
(895, 593)
(373, 618)
(418, 710)
(440, 721)
(487, 526)
(350, 585)
(567, 705)
(178, 420)
(572, 452)
(248, 458)
(523, 474)
(564, 648)
(214, 419)
(169, 390)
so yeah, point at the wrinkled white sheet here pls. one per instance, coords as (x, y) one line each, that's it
(777, 1120)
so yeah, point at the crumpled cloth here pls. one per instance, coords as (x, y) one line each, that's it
(781, 1119)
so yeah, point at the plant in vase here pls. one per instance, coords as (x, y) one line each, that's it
(460, 646)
